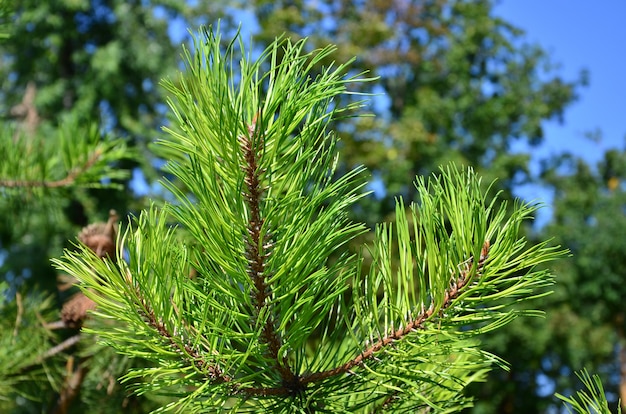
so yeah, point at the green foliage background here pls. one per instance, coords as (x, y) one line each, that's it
(461, 85)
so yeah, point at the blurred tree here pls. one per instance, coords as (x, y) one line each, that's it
(590, 218)
(584, 325)
(6, 8)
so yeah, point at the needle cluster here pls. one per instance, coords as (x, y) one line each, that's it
(266, 309)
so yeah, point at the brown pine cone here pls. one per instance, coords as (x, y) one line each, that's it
(100, 237)
(75, 310)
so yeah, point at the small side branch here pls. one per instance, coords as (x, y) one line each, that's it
(68, 343)
(214, 372)
(26, 112)
(68, 180)
(457, 284)
(20, 313)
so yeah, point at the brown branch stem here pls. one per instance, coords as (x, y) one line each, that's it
(456, 286)
(20, 313)
(184, 349)
(68, 343)
(256, 246)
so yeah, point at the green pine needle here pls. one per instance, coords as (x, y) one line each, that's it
(592, 400)
(260, 306)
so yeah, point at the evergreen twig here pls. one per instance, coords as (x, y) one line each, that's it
(278, 316)
(66, 181)
(456, 286)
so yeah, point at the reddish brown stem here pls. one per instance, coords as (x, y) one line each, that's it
(255, 247)
(300, 383)
(186, 351)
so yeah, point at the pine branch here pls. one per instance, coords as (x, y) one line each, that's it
(184, 349)
(67, 181)
(20, 313)
(26, 111)
(99, 238)
(275, 316)
(24, 342)
(71, 388)
(590, 400)
(66, 344)
(453, 292)
(77, 155)
(457, 284)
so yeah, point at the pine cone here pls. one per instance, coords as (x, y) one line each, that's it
(100, 237)
(75, 310)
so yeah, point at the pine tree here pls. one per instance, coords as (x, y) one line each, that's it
(242, 294)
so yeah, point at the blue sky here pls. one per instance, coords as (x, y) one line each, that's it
(580, 34)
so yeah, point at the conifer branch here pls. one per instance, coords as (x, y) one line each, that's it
(263, 319)
(71, 388)
(20, 313)
(184, 349)
(66, 181)
(68, 343)
(257, 246)
(456, 286)
(26, 111)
